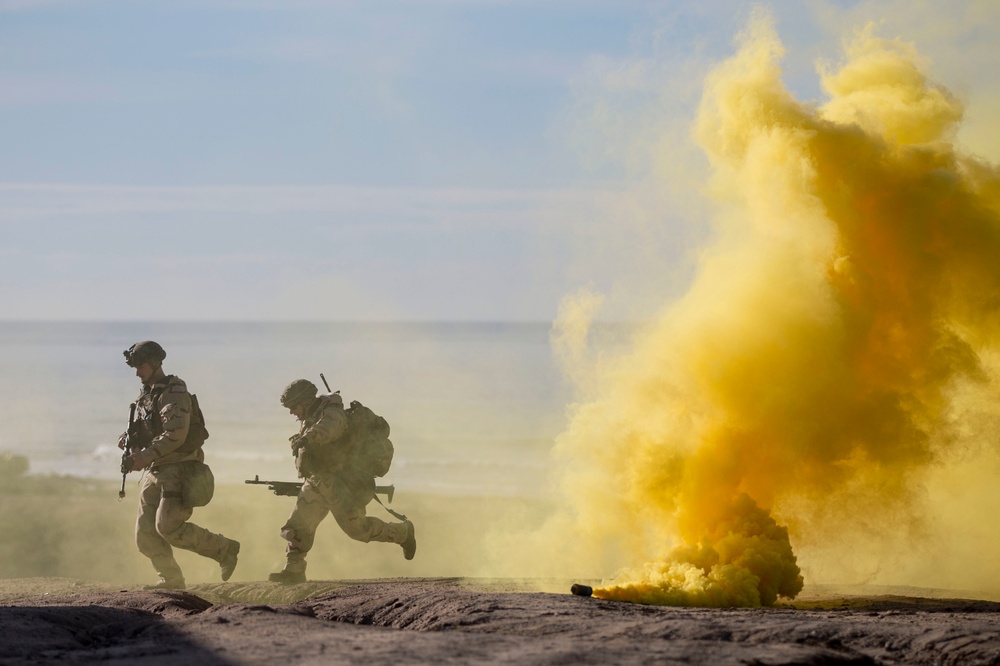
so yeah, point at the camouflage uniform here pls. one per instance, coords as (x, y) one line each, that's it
(163, 411)
(330, 485)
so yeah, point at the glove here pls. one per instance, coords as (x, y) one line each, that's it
(141, 460)
(297, 442)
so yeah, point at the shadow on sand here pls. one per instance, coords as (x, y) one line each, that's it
(70, 634)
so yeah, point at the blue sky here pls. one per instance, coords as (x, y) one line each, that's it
(419, 159)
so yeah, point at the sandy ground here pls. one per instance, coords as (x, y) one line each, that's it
(462, 621)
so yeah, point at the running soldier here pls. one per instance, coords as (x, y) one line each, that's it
(170, 432)
(331, 483)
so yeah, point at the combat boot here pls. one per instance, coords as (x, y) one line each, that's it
(228, 559)
(164, 584)
(287, 577)
(410, 545)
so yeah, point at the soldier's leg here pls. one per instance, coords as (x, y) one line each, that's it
(300, 528)
(150, 542)
(348, 508)
(357, 525)
(172, 518)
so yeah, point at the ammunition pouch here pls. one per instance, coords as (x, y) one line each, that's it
(305, 463)
(139, 437)
(315, 459)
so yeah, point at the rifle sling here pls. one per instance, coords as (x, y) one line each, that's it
(394, 513)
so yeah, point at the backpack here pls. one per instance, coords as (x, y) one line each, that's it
(369, 443)
(197, 432)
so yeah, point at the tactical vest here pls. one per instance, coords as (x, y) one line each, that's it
(153, 425)
(320, 457)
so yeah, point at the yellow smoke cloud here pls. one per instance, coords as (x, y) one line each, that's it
(810, 374)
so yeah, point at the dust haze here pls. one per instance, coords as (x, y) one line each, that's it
(75, 527)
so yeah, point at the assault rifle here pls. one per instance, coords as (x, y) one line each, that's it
(127, 447)
(291, 488)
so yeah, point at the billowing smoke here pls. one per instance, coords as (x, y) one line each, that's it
(808, 382)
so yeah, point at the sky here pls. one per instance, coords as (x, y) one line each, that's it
(389, 160)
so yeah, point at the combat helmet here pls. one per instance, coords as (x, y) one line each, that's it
(146, 351)
(299, 392)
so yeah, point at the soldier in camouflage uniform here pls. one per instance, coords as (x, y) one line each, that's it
(330, 483)
(171, 446)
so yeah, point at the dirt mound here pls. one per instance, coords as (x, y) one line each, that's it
(433, 621)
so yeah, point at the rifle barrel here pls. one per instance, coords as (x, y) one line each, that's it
(291, 488)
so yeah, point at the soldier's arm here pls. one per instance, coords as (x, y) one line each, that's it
(330, 427)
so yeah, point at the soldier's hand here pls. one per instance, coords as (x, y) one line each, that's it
(121, 441)
(297, 442)
(138, 461)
